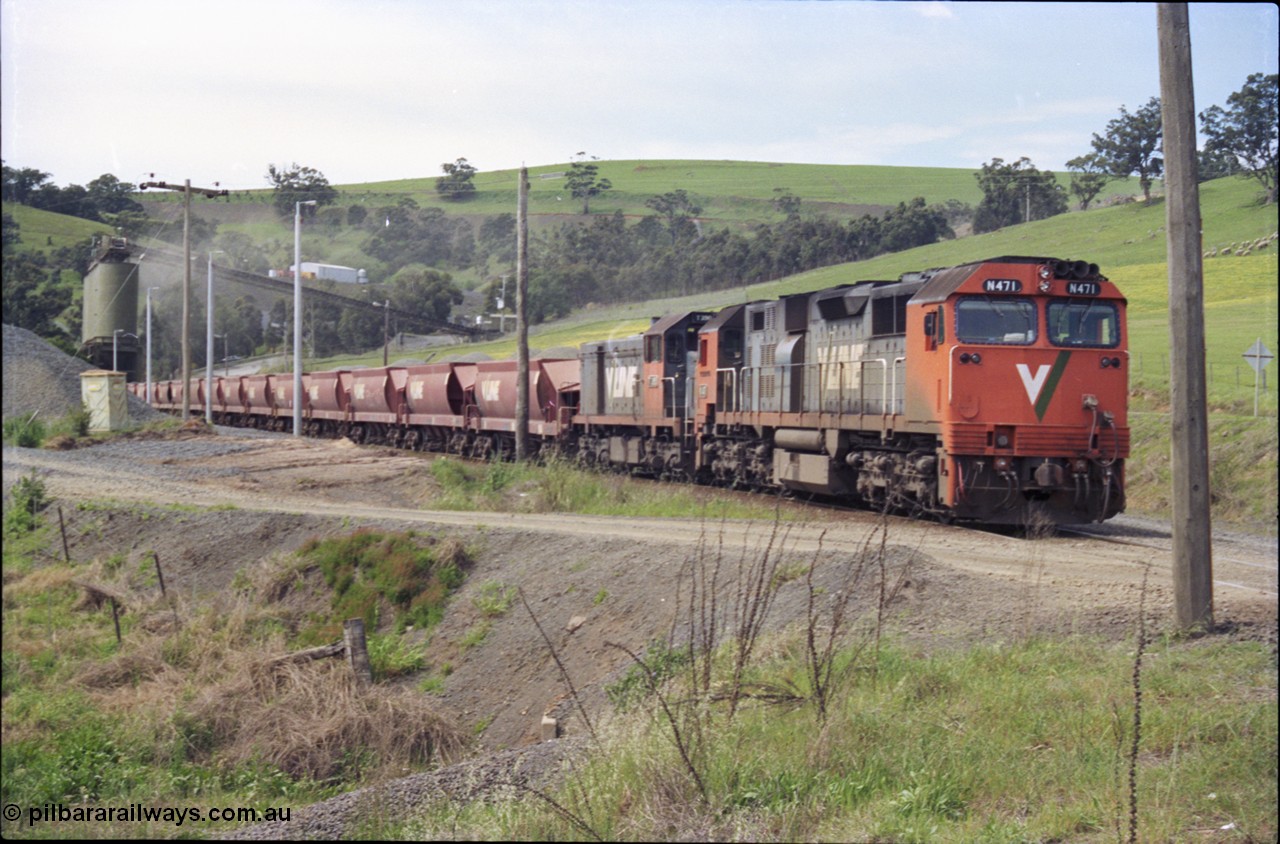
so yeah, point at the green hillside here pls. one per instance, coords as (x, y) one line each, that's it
(727, 191)
(731, 194)
(45, 231)
(1121, 239)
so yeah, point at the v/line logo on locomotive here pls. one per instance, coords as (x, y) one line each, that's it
(622, 381)
(894, 394)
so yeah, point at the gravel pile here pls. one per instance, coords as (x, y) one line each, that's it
(44, 380)
(501, 776)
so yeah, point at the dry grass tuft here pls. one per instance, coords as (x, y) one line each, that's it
(125, 669)
(314, 722)
(213, 682)
(37, 583)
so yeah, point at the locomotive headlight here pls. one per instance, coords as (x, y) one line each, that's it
(975, 357)
(1045, 285)
(1045, 273)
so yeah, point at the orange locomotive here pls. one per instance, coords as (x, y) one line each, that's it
(993, 392)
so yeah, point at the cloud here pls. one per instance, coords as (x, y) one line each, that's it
(935, 10)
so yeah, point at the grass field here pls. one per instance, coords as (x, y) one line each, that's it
(44, 231)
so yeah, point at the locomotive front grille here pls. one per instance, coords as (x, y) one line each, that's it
(1033, 441)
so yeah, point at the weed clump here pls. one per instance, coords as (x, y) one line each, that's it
(29, 500)
(368, 568)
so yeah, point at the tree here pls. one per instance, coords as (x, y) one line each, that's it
(1216, 164)
(361, 329)
(405, 234)
(240, 324)
(455, 184)
(912, 224)
(12, 233)
(419, 289)
(33, 297)
(19, 185)
(298, 184)
(109, 195)
(1247, 131)
(1016, 193)
(678, 210)
(1088, 178)
(785, 202)
(582, 182)
(1132, 145)
(497, 241)
(243, 252)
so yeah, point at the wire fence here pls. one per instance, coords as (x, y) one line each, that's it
(1234, 386)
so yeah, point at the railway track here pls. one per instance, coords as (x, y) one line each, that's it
(1251, 560)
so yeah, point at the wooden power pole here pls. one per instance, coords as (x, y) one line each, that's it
(1192, 548)
(186, 189)
(522, 322)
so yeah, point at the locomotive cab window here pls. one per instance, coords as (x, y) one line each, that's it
(653, 348)
(731, 348)
(1006, 320)
(675, 348)
(1084, 322)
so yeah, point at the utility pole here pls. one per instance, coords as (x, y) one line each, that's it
(186, 189)
(1192, 547)
(386, 329)
(522, 323)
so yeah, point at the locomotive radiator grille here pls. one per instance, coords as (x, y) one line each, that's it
(1059, 442)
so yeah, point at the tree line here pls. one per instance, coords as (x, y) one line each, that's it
(1240, 140)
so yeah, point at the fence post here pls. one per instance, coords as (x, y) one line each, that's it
(115, 617)
(62, 526)
(357, 650)
(159, 573)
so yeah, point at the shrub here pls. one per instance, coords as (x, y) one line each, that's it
(494, 599)
(368, 566)
(24, 433)
(28, 501)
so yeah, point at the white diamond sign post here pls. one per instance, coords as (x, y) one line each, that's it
(1259, 356)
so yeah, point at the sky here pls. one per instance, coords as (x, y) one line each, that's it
(375, 90)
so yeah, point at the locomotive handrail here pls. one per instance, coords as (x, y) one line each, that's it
(736, 400)
(894, 392)
(951, 380)
(673, 397)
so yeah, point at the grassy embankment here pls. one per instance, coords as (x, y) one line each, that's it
(194, 708)
(879, 738)
(1001, 742)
